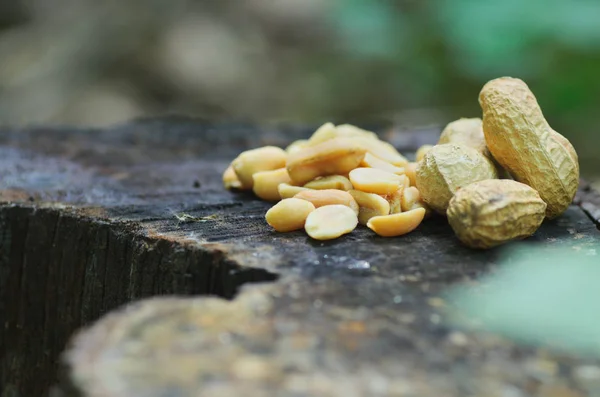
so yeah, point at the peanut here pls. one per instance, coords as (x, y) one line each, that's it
(350, 130)
(286, 190)
(382, 150)
(422, 151)
(363, 138)
(330, 221)
(296, 146)
(330, 182)
(372, 161)
(492, 212)
(406, 183)
(321, 198)
(567, 145)
(448, 167)
(324, 133)
(397, 224)
(329, 131)
(289, 214)
(522, 141)
(467, 132)
(252, 161)
(395, 199)
(411, 172)
(410, 199)
(230, 179)
(372, 180)
(266, 183)
(370, 205)
(334, 156)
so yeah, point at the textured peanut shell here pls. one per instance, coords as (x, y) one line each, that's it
(490, 213)
(446, 168)
(520, 139)
(467, 132)
(422, 151)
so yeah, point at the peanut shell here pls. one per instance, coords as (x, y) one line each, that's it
(467, 132)
(520, 139)
(446, 168)
(488, 213)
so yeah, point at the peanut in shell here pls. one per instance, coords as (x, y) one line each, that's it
(522, 141)
(446, 168)
(489, 213)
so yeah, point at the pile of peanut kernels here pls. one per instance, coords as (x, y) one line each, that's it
(495, 179)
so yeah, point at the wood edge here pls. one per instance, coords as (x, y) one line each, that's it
(588, 199)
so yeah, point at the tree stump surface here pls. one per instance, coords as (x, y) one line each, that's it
(93, 219)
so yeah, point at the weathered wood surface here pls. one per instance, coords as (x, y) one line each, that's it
(90, 220)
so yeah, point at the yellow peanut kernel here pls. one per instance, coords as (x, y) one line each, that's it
(382, 150)
(395, 200)
(289, 214)
(406, 182)
(324, 133)
(336, 156)
(410, 198)
(422, 151)
(329, 131)
(365, 138)
(372, 161)
(411, 172)
(397, 224)
(349, 130)
(266, 183)
(286, 190)
(230, 179)
(338, 182)
(248, 163)
(321, 198)
(297, 146)
(330, 221)
(372, 180)
(370, 205)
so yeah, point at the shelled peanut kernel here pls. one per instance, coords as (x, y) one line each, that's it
(330, 221)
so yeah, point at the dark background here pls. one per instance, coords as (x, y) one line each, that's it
(93, 62)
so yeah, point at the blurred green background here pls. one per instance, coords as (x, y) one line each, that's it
(417, 62)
